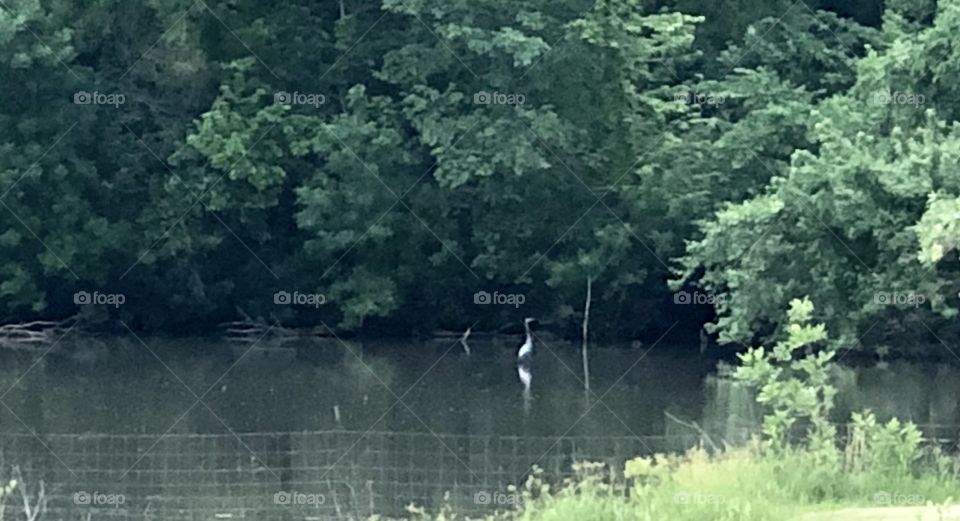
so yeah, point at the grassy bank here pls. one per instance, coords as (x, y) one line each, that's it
(740, 485)
(746, 484)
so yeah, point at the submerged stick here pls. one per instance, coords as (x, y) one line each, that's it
(463, 340)
(583, 347)
(693, 425)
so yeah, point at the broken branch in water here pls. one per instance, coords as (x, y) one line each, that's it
(249, 330)
(692, 425)
(36, 334)
(463, 340)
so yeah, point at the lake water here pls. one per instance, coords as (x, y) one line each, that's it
(207, 429)
(119, 386)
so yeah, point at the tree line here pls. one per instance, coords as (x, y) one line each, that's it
(407, 165)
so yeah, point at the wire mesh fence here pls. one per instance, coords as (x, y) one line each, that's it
(296, 475)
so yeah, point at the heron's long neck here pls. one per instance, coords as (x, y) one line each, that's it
(529, 335)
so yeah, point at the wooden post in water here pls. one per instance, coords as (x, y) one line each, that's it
(583, 347)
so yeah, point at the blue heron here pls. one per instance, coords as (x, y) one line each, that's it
(524, 356)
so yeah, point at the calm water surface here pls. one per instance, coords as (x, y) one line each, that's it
(203, 429)
(121, 386)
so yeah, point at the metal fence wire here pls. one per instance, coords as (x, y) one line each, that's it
(294, 475)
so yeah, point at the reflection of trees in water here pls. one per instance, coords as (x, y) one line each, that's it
(730, 413)
(129, 390)
(926, 394)
(923, 393)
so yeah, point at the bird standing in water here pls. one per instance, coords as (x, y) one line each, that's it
(524, 357)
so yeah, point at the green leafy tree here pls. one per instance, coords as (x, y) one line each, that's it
(840, 220)
(794, 386)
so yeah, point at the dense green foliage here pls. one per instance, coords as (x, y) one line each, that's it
(858, 216)
(400, 156)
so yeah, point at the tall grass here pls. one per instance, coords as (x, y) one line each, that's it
(743, 484)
